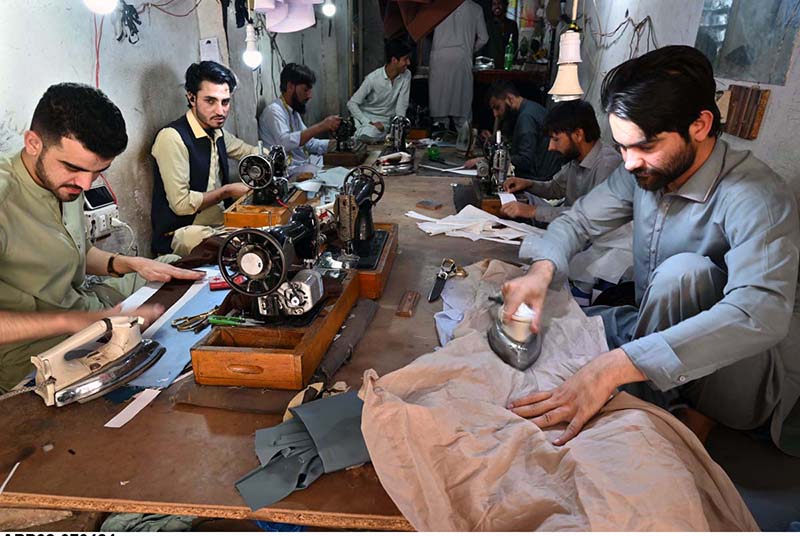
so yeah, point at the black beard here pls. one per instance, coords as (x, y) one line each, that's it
(297, 106)
(654, 179)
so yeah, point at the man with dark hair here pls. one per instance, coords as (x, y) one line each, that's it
(281, 122)
(192, 181)
(716, 246)
(529, 143)
(75, 134)
(575, 134)
(383, 94)
(501, 29)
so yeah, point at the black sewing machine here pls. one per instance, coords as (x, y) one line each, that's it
(348, 151)
(397, 157)
(493, 169)
(344, 135)
(266, 176)
(275, 266)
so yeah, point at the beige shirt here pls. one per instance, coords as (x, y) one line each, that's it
(42, 260)
(172, 157)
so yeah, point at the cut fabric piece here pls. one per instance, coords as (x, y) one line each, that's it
(476, 224)
(452, 457)
(324, 436)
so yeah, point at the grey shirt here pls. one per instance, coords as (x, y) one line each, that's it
(528, 151)
(734, 210)
(575, 179)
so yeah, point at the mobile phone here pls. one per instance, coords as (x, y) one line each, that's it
(97, 197)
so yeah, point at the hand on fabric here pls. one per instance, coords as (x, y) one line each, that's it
(515, 209)
(236, 190)
(471, 163)
(378, 125)
(529, 289)
(581, 396)
(516, 184)
(153, 270)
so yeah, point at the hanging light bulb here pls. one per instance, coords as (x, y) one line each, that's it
(251, 56)
(567, 86)
(329, 8)
(102, 7)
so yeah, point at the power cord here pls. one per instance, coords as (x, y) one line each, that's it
(116, 223)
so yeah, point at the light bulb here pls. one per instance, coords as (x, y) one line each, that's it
(102, 7)
(251, 56)
(329, 8)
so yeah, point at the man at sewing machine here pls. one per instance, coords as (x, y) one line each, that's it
(75, 134)
(281, 122)
(575, 134)
(383, 94)
(529, 143)
(716, 245)
(192, 181)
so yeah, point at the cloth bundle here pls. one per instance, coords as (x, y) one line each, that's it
(324, 436)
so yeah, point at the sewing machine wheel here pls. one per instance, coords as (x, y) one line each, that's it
(252, 262)
(369, 173)
(256, 171)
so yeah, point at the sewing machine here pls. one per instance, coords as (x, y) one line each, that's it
(272, 195)
(79, 370)
(494, 169)
(397, 157)
(295, 305)
(348, 152)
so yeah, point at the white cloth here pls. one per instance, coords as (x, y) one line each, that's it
(279, 124)
(377, 100)
(455, 41)
(476, 224)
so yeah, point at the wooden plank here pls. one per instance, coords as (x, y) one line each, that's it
(243, 214)
(273, 357)
(346, 158)
(408, 303)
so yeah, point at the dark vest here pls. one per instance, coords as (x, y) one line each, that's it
(164, 221)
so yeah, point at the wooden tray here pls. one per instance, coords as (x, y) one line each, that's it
(346, 158)
(242, 214)
(273, 357)
(373, 282)
(490, 204)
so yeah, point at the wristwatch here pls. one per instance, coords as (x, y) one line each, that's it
(110, 267)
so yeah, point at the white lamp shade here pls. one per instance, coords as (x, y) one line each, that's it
(299, 17)
(567, 86)
(276, 15)
(262, 6)
(569, 47)
(101, 7)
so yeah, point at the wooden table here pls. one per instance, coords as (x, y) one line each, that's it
(181, 459)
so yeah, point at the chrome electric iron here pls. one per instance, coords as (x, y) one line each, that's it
(77, 370)
(513, 342)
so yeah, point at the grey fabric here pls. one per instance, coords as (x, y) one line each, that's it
(743, 217)
(146, 523)
(737, 395)
(575, 179)
(335, 425)
(324, 436)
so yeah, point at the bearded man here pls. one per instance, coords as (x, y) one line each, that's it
(716, 240)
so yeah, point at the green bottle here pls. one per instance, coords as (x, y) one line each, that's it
(509, 58)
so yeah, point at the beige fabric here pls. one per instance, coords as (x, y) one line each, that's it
(453, 458)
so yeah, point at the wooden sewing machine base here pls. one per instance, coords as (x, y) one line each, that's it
(272, 356)
(244, 214)
(486, 202)
(373, 281)
(346, 158)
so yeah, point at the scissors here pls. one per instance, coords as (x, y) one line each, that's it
(195, 323)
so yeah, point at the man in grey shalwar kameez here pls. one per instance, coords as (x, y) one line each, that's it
(455, 41)
(716, 246)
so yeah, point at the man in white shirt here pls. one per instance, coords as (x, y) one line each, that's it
(281, 122)
(383, 94)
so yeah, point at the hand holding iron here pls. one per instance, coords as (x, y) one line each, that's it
(529, 289)
(74, 321)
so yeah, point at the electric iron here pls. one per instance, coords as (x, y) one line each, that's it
(77, 370)
(513, 342)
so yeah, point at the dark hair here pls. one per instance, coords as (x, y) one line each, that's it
(297, 74)
(395, 48)
(208, 71)
(663, 91)
(569, 116)
(81, 112)
(500, 89)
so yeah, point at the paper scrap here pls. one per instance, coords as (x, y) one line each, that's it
(132, 410)
(507, 198)
(309, 186)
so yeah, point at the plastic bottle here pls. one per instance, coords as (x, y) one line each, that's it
(509, 57)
